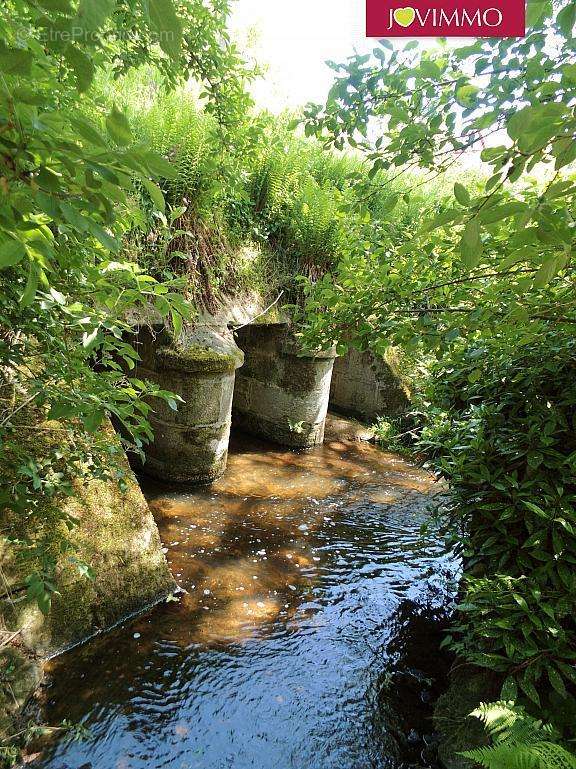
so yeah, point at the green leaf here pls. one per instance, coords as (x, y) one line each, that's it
(566, 19)
(93, 13)
(569, 671)
(535, 509)
(82, 65)
(470, 255)
(529, 689)
(44, 601)
(520, 601)
(155, 194)
(509, 690)
(536, 11)
(62, 410)
(29, 293)
(11, 252)
(118, 127)
(88, 132)
(546, 272)
(518, 123)
(166, 22)
(390, 204)
(108, 241)
(461, 194)
(556, 681)
(28, 95)
(430, 69)
(177, 323)
(93, 420)
(466, 95)
(475, 375)
(48, 180)
(441, 219)
(156, 165)
(15, 61)
(505, 211)
(74, 217)
(566, 154)
(471, 234)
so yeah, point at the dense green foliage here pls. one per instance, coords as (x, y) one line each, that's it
(497, 255)
(487, 286)
(518, 741)
(67, 171)
(501, 430)
(292, 203)
(276, 199)
(99, 220)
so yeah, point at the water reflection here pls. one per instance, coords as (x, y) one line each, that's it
(301, 572)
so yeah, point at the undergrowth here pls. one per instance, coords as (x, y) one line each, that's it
(518, 741)
(286, 208)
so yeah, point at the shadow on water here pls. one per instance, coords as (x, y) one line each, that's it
(307, 636)
(414, 678)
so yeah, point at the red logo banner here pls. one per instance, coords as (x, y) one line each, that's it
(445, 18)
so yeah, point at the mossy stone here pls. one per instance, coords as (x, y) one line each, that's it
(197, 358)
(468, 687)
(191, 436)
(117, 536)
(303, 376)
(20, 674)
(281, 392)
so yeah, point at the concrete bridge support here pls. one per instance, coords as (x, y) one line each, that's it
(281, 392)
(191, 443)
(366, 386)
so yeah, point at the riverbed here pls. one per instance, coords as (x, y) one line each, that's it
(307, 636)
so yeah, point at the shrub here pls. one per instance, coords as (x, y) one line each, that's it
(502, 432)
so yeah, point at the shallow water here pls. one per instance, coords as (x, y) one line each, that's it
(307, 637)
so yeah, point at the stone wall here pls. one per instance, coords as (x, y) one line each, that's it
(20, 675)
(366, 386)
(281, 393)
(468, 686)
(117, 536)
(190, 443)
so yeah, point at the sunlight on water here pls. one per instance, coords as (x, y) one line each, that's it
(303, 575)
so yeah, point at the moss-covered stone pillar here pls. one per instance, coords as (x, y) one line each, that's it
(190, 443)
(367, 386)
(281, 392)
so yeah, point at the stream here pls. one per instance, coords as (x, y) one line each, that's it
(308, 636)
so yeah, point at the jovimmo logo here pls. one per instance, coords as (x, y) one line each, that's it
(446, 18)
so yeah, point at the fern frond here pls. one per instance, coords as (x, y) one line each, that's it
(497, 717)
(519, 740)
(503, 756)
(554, 756)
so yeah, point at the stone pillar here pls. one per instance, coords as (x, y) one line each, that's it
(190, 443)
(367, 386)
(281, 392)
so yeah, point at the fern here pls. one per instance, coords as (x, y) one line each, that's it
(519, 741)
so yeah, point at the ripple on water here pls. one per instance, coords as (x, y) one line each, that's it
(304, 572)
